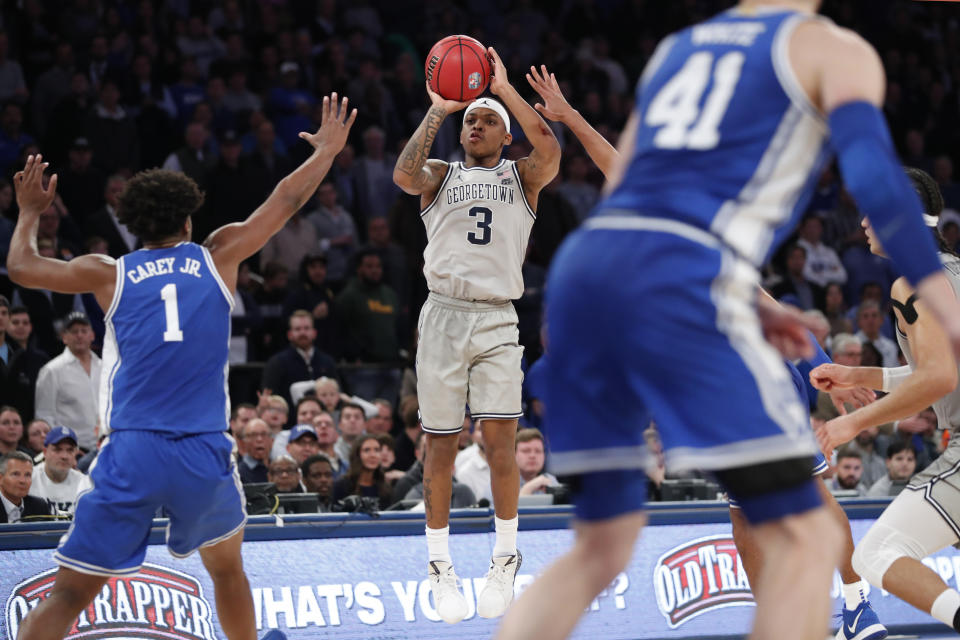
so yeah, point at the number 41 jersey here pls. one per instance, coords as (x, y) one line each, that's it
(477, 231)
(166, 343)
(727, 141)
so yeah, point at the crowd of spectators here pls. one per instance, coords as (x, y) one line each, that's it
(325, 314)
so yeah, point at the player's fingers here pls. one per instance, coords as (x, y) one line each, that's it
(350, 120)
(325, 111)
(52, 186)
(344, 110)
(333, 105)
(553, 80)
(539, 107)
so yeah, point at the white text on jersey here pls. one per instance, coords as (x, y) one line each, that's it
(161, 267)
(480, 191)
(741, 34)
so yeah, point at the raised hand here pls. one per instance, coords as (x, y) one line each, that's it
(554, 105)
(335, 125)
(836, 432)
(499, 81)
(32, 198)
(448, 106)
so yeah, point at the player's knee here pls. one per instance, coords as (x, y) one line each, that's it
(441, 450)
(879, 549)
(604, 552)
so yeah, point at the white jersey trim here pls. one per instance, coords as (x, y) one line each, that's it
(780, 56)
(464, 167)
(666, 225)
(111, 361)
(523, 195)
(216, 274)
(439, 189)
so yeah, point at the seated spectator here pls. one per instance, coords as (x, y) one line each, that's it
(306, 410)
(388, 458)
(327, 437)
(336, 231)
(256, 439)
(303, 443)
(901, 463)
(13, 139)
(317, 474)
(68, 386)
(396, 273)
(81, 184)
(531, 459)
(11, 430)
(269, 298)
(848, 351)
(849, 473)
(313, 294)
(367, 309)
(365, 477)
(835, 309)
(576, 190)
(299, 360)
(919, 430)
(105, 224)
(273, 410)
(112, 132)
(869, 323)
(55, 479)
(327, 390)
(284, 473)
(8, 348)
(410, 486)
(656, 467)
(195, 158)
(32, 441)
(822, 265)
(240, 415)
(351, 426)
(16, 476)
(873, 291)
(805, 293)
(874, 465)
(290, 244)
(382, 422)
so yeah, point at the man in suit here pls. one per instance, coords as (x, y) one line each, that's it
(103, 223)
(16, 476)
(301, 360)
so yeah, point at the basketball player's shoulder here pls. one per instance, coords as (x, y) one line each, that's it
(822, 39)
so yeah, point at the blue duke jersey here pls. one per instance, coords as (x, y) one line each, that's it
(166, 343)
(727, 140)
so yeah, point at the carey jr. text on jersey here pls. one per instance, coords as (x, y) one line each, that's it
(163, 266)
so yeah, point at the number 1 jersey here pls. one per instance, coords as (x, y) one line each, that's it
(165, 349)
(477, 231)
(728, 141)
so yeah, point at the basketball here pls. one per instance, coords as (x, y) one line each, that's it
(457, 68)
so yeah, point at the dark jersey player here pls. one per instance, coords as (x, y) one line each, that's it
(163, 394)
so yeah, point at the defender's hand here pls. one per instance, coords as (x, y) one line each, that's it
(335, 125)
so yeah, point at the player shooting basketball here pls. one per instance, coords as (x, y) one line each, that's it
(478, 214)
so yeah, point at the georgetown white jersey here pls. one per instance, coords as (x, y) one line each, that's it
(947, 408)
(477, 231)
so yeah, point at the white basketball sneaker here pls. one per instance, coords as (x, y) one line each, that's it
(497, 593)
(445, 586)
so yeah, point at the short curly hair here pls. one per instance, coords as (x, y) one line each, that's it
(155, 204)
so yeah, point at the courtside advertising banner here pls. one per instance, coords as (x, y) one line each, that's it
(684, 581)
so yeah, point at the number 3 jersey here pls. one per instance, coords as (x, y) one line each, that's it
(727, 141)
(477, 231)
(166, 343)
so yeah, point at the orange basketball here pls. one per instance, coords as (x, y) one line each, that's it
(457, 68)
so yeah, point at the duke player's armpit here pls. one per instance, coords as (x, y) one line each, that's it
(873, 175)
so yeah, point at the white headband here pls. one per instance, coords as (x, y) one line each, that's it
(493, 105)
(931, 221)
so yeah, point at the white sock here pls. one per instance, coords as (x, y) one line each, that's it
(506, 541)
(852, 594)
(945, 607)
(438, 544)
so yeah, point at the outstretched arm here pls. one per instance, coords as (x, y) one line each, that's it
(233, 243)
(555, 107)
(540, 167)
(27, 268)
(934, 375)
(414, 172)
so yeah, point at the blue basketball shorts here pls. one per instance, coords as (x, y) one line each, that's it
(194, 478)
(650, 318)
